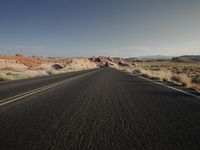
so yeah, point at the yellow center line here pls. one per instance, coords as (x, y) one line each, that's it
(38, 90)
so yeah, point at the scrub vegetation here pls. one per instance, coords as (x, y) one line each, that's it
(186, 74)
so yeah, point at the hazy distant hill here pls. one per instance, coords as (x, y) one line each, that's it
(186, 58)
(155, 57)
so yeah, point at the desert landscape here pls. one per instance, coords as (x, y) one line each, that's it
(99, 75)
(21, 67)
(183, 71)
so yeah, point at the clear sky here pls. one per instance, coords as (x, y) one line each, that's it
(123, 28)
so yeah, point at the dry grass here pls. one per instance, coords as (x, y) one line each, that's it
(184, 74)
(15, 74)
(9, 74)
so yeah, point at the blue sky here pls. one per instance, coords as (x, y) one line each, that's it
(122, 28)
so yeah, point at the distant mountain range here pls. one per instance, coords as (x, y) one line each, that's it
(187, 58)
(155, 57)
(184, 58)
(149, 58)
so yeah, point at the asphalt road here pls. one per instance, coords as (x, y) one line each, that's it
(104, 109)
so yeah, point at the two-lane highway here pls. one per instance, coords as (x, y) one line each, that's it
(15, 87)
(101, 109)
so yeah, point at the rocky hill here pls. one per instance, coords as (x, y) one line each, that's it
(19, 60)
(20, 67)
(103, 61)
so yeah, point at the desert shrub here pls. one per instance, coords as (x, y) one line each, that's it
(185, 80)
(165, 79)
(19, 55)
(196, 79)
(10, 74)
(124, 69)
(137, 70)
(49, 72)
(165, 75)
(4, 77)
(175, 78)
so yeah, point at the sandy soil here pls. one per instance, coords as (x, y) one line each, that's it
(20, 67)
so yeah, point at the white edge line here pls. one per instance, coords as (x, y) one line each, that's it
(170, 87)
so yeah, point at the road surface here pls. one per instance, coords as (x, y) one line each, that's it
(98, 109)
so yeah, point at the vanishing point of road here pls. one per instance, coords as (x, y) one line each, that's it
(100, 109)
